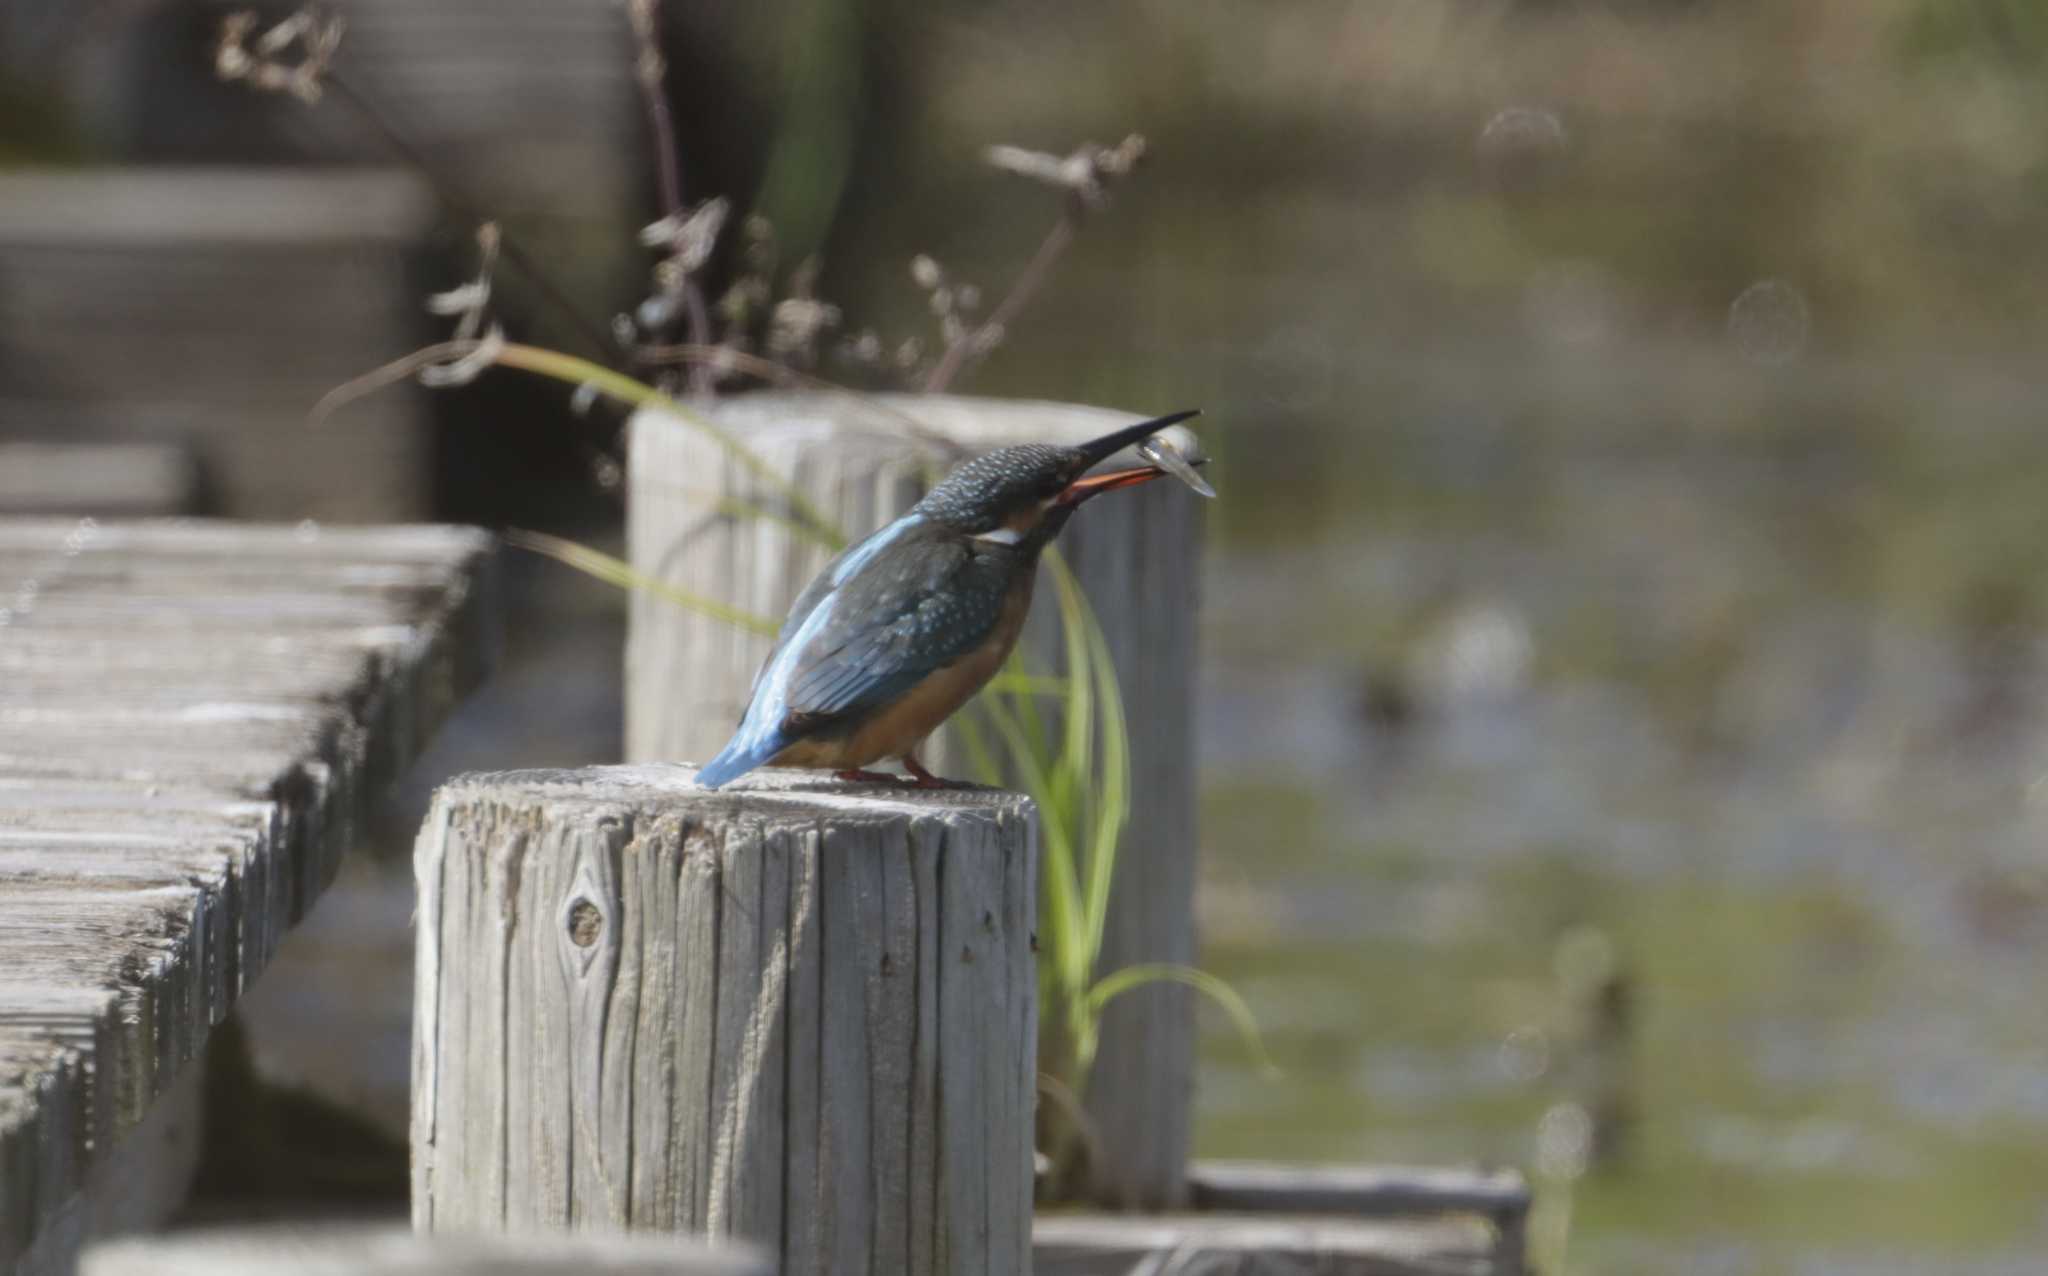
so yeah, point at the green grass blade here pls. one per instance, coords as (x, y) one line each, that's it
(573, 371)
(1016, 683)
(1063, 928)
(979, 758)
(1075, 618)
(1112, 986)
(615, 571)
(1108, 804)
(736, 507)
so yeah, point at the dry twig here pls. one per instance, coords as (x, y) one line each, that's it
(1086, 176)
(258, 63)
(650, 68)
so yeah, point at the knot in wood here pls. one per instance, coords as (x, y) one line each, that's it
(586, 922)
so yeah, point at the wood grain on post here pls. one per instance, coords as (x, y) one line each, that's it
(793, 1011)
(862, 461)
(368, 1250)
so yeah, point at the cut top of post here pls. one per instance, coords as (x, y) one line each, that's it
(769, 790)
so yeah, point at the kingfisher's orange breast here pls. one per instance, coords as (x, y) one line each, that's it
(897, 729)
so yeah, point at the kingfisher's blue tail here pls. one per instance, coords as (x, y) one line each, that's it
(739, 756)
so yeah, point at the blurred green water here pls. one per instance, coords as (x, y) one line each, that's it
(1763, 715)
(1562, 600)
(1629, 423)
(1632, 547)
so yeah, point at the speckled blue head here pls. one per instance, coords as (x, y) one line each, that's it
(1030, 490)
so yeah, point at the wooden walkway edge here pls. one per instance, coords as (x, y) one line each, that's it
(194, 718)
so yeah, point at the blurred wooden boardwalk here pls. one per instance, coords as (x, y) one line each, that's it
(208, 310)
(193, 718)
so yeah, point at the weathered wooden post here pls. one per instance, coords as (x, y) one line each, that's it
(360, 1250)
(862, 460)
(794, 1011)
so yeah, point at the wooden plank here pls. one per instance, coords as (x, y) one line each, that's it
(863, 460)
(173, 795)
(511, 95)
(1501, 1197)
(209, 309)
(161, 207)
(109, 480)
(369, 1250)
(1256, 1245)
(140, 1182)
(1363, 1191)
(796, 1012)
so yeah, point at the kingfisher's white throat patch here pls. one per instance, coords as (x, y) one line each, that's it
(1002, 536)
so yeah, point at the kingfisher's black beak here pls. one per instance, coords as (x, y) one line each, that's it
(1099, 450)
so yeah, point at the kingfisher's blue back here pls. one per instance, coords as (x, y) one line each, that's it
(891, 611)
(900, 630)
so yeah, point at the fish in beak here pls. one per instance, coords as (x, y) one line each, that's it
(1177, 455)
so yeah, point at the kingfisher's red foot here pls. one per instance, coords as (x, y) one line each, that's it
(924, 779)
(867, 777)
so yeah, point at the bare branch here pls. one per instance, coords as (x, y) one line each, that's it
(264, 63)
(726, 358)
(400, 369)
(314, 75)
(1086, 176)
(990, 332)
(1088, 172)
(650, 68)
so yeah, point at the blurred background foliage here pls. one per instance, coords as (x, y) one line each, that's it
(1625, 705)
(1632, 418)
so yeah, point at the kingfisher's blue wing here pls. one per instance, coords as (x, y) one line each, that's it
(843, 564)
(924, 603)
(899, 606)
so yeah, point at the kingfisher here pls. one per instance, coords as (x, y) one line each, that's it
(901, 629)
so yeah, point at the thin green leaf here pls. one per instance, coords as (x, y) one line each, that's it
(737, 507)
(1015, 682)
(1064, 925)
(614, 571)
(571, 370)
(1113, 787)
(1112, 986)
(1101, 817)
(979, 758)
(1080, 707)
(1032, 720)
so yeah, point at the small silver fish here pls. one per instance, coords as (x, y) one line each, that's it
(1176, 450)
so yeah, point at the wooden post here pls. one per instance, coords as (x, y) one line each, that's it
(863, 460)
(795, 1011)
(368, 1250)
